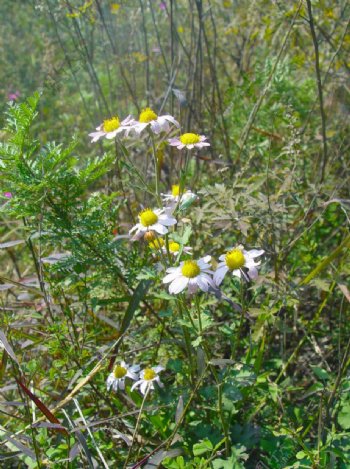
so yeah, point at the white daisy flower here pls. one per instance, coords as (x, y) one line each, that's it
(112, 127)
(158, 124)
(234, 261)
(174, 247)
(116, 380)
(191, 274)
(156, 220)
(171, 200)
(189, 141)
(147, 379)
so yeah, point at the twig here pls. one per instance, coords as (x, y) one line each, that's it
(320, 90)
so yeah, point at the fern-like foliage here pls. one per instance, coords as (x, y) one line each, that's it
(49, 186)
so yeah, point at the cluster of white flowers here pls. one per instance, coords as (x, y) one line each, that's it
(191, 274)
(148, 119)
(144, 379)
(112, 127)
(154, 225)
(194, 274)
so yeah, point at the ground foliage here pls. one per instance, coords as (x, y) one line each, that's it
(257, 374)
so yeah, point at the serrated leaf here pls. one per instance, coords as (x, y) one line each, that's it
(202, 447)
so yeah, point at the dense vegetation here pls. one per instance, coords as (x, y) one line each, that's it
(126, 341)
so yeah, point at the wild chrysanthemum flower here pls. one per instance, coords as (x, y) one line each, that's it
(174, 247)
(234, 261)
(171, 200)
(112, 127)
(147, 379)
(189, 141)
(191, 274)
(158, 124)
(153, 220)
(116, 380)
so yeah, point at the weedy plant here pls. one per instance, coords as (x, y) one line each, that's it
(160, 343)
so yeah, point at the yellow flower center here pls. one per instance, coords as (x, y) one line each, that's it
(147, 115)
(174, 247)
(148, 217)
(175, 190)
(189, 139)
(111, 124)
(157, 243)
(119, 371)
(190, 269)
(235, 259)
(149, 374)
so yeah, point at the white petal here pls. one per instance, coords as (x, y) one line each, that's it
(144, 386)
(178, 285)
(127, 121)
(220, 274)
(138, 127)
(192, 286)
(171, 119)
(136, 384)
(237, 273)
(135, 368)
(254, 253)
(111, 135)
(132, 375)
(158, 368)
(250, 263)
(206, 259)
(163, 123)
(166, 220)
(122, 384)
(202, 283)
(158, 381)
(170, 270)
(110, 381)
(156, 127)
(253, 273)
(170, 277)
(159, 228)
(208, 278)
(138, 226)
(96, 136)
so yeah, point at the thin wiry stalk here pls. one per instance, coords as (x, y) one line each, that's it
(320, 91)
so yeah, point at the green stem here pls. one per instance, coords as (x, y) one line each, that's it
(136, 427)
(187, 343)
(224, 424)
(239, 330)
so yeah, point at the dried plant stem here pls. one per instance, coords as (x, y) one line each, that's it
(320, 91)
